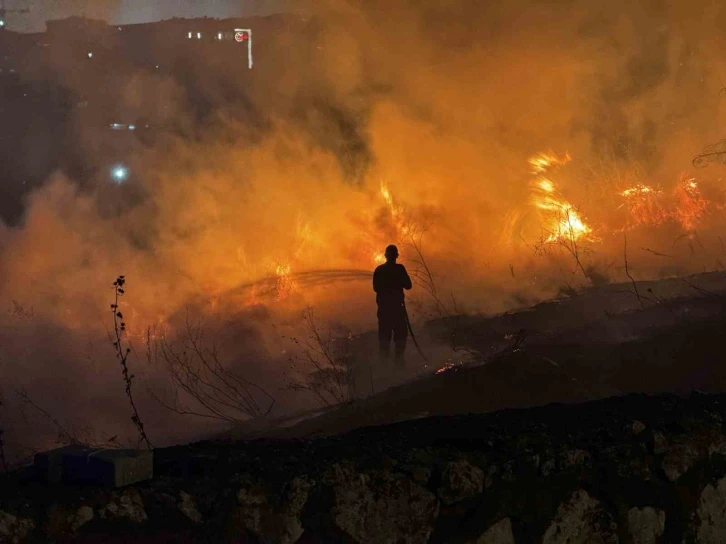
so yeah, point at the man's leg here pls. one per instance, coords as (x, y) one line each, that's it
(400, 336)
(385, 331)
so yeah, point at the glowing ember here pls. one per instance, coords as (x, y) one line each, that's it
(285, 283)
(645, 206)
(690, 205)
(651, 207)
(445, 368)
(562, 220)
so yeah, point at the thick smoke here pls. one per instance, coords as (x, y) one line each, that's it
(282, 167)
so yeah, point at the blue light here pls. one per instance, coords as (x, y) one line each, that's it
(119, 173)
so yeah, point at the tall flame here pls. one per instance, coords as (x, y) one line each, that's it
(562, 221)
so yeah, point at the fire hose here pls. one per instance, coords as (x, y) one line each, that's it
(413, 336)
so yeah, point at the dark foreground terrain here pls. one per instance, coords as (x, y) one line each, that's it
(629, 469)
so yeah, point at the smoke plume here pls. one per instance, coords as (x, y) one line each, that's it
(360, 124)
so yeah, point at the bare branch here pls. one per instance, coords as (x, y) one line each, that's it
(627, 272)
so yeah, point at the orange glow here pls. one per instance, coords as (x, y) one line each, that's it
(645, 206)
(652, 207)
(691, 206)
(286, 285)
(561, 220)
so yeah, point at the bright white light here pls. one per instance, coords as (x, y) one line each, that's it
(190, 35)
(199, 35)
(90, 55)
(219, 36)
(132, 127)
(2, 23)
(119, 173)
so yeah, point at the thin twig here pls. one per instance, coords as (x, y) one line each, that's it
(69, 438)
(701, 290)
(655, 252)
(627, 272)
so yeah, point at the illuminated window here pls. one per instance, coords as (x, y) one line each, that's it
(199, 35)
(219, 36)
(190, 35)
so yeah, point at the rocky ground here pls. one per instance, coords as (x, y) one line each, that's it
(630, 469)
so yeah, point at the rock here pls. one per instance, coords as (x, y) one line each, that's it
(711, 514)
(637, 427)
(717, 445)
(581, 519)
(382, 507)
(499, 533)
(128, 506)
(646, 525)
(281, 524)
(660, 443)
(680, 458)
(82, 516)
(253, 507)
(188, 507)
(547, 467)
(576, 458)
(14, 529)
(460, 480)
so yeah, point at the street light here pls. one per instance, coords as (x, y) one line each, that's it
(119, 173)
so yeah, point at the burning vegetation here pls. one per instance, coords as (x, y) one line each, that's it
(257, 193)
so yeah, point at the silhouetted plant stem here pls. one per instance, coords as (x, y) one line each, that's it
(119, 327)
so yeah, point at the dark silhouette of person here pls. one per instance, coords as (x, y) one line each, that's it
(389, 281)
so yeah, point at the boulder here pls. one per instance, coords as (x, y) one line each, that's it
(646, 525)
(188, 507)
(127, 506)
(80, 517)
(14, 529)
(382, 507)
(581, 519)
(499, 533)
(680, 458)
(711, 514)
(460, 480)
(637, 427)
(275, 523)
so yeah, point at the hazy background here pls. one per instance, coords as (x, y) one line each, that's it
(443, 102)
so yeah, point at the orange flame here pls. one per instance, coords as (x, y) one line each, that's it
(562, 219)
(686, 205)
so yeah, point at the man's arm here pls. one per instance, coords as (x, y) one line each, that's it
(375, 280)
(406, 279)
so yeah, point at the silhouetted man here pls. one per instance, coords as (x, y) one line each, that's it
(389, 281)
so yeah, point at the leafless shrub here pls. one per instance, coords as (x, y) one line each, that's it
(202, 385)
(564, 240)
(327, 362)
(119, 329)
(423, 276)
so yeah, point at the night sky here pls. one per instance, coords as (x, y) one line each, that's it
(134, 11)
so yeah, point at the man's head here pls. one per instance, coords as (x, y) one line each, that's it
(391, 253)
